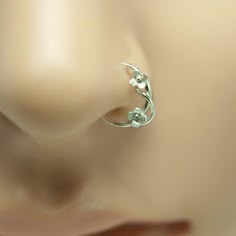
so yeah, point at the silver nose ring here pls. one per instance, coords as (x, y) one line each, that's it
(138, 117)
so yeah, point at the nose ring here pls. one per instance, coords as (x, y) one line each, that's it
(138, 116)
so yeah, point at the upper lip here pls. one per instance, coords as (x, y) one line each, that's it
(27, 223)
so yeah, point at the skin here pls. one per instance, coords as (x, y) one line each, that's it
(60, 74)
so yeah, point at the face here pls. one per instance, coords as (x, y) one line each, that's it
(60, 73)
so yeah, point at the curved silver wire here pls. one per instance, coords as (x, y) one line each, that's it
(138, 116)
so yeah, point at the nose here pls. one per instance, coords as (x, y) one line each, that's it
(60, 65)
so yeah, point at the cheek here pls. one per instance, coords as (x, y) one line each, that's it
(191, 157)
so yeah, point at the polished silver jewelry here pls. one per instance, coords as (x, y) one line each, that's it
(138, 116)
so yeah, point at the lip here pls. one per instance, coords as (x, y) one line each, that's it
(178, 228)
(23, 222)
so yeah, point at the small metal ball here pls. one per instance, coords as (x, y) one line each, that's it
(137, 116)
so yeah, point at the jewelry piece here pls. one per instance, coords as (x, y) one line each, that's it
(137, 117)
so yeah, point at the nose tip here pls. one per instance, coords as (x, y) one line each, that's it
(60, 65)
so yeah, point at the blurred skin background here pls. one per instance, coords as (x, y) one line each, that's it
(60, 74)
